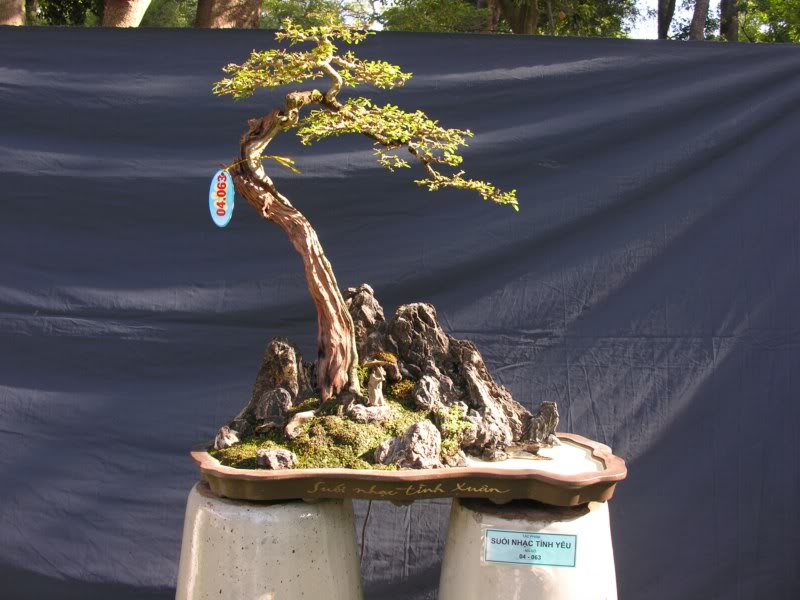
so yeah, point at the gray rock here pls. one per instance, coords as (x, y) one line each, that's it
(370, 414)
(417, 336)
(428, 393)
(494, 427)
(225, 438)
(294, 426)
(459, 459)
(272, 411)
(541, 429)
(267, 426)
(502, 420)
(393, 372)
(243, 426)
(283, 367)
(470, 437)
(409, 371)
(494, 454)
(275, 459)
(417, 448)
(368, 319)
(273, 405)
(447, 388)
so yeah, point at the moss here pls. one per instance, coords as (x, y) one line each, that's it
(398, 396)
(363, 376)
(402, 389)
(404, 417)
(386, 357)
(328, 440)
(332, 441)
(452, 425)
(311, 403)
(243, 455)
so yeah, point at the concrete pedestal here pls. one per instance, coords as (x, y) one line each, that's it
(528, 550)
(276, 551)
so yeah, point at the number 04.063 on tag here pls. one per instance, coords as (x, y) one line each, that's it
(220, 198)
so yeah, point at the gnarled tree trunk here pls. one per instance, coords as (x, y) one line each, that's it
(337, 354)
(12, 12)
(124, 13)
(226, 14)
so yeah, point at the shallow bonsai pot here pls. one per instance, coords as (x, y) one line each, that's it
(577, 471)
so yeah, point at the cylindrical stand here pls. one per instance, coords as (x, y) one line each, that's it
(528, 550)
(267, 551)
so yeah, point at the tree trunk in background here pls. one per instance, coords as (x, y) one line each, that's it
(729, 20)
(494, 12)
(666, 10)
(225, 14)
(124, 13)
(12, 12)
(522, 17)
(31, 8)
(697, 30)
(550, 20)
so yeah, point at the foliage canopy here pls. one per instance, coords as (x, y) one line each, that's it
(170, 13)
(759, 20)
(317, 12)
(390, 127)
(769, 20)
(70, 12)
(435, 15)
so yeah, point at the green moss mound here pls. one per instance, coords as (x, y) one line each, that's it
(331, 440)
(452, 425)
(328, 440)
(402, 389)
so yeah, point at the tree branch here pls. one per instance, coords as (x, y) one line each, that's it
(262, 131)
(336, 85)
(389, 127)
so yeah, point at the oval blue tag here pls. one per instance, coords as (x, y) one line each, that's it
(220, 198)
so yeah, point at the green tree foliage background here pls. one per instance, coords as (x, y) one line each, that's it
(571, 17)
(592, 18)
(435, 15)
(759, 20)
(170, 13)
(69, 12)
(769, 20)
(680, 26)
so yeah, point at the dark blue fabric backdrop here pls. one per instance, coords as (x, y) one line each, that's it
(649, 285)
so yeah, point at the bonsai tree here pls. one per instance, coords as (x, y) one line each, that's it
(317, 113)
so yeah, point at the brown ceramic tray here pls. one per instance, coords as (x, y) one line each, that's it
(497, 484)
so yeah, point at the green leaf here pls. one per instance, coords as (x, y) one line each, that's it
(390, 127)
(283, 161)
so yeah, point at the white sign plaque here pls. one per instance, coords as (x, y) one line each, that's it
(529, 548)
